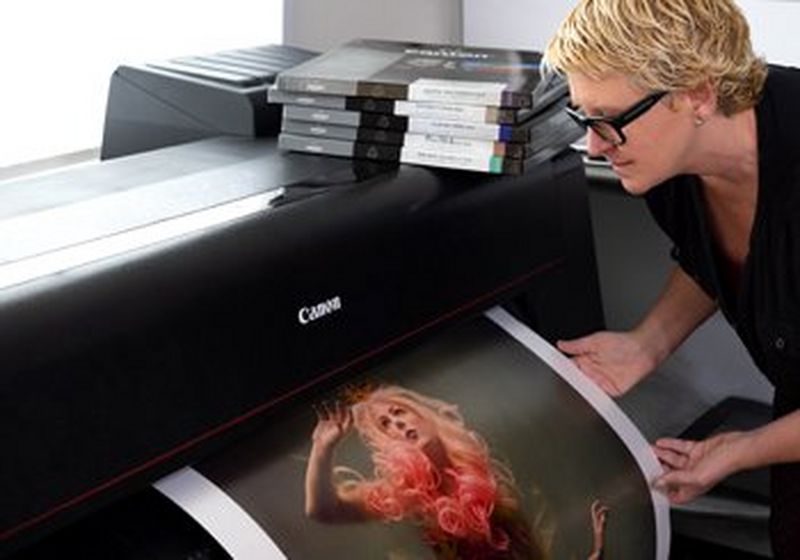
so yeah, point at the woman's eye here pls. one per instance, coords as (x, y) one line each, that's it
(397, 411)
(384, 422)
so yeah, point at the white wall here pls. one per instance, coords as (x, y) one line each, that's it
(774, 29)
(520, 24)
(57, 59)
(322, 24)
(529, 24)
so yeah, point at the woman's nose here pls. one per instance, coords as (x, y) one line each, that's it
(399, 424)
(596, 145)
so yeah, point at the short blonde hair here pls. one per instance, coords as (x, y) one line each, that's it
(663, 45)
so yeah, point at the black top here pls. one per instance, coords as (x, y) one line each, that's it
(765, 310)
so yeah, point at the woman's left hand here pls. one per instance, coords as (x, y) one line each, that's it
(694, 467)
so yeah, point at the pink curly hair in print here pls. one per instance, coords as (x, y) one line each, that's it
(452, 503)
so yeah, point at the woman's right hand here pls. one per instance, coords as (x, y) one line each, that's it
(325, 500)
(333, 423)
(615, 361)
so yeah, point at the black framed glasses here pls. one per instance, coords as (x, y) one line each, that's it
(610, 128)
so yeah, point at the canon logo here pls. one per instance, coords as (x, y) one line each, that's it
(314, 312)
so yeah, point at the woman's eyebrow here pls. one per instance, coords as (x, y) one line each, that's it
(591, 110)
(595, 111)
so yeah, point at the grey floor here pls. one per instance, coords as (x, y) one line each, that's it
(633, 261)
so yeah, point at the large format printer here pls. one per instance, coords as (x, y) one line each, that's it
(154, 306)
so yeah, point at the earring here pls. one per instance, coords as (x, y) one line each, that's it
(698, 121)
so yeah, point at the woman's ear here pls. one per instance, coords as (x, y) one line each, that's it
(702, 101)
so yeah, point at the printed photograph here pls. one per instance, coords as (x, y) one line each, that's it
(469, 446)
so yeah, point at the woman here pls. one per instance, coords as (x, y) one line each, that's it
(672, 95)
(430, 469)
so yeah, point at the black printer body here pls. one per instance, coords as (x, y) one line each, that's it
(156, 305)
